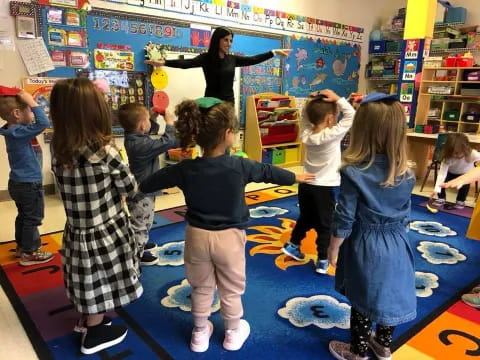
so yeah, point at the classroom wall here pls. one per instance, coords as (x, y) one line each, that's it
(363, 13)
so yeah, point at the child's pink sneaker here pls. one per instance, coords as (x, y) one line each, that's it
(201, 339)
(235, 338)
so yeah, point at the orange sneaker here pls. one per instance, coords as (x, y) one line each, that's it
(37, 257)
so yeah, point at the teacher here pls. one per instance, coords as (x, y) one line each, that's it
(219, 65)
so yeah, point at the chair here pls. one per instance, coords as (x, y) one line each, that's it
(441, 140)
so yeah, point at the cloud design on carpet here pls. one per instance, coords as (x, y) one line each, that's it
(171, 253)
(266, 212)
(432, 228)
(440, 253)
(425, 283)
(323, 311)
(179, 296)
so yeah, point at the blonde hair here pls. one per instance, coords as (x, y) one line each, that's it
(379, 127)
(80, 117)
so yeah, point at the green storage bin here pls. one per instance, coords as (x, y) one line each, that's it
(451, 115)
(278, 156)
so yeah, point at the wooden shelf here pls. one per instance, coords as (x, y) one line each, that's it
(453, 51)
(380, 78)
(281, 145)
(393, 53)
(439, 81)
(451, 68)
(253, 137)
(469, 82)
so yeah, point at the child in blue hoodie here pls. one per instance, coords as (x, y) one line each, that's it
(25, 120)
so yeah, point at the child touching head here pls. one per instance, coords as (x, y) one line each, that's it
(322, 157)
(375, 268)
(217, 215)
(457, 158)
(25, 120)
(143, 152)
(92, 182)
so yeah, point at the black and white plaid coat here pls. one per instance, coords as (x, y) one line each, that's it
(99, 253)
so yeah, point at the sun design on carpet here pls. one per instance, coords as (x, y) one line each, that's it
(272, 238)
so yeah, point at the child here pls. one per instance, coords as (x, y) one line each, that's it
(457, 158)
(375, 266)
(317, 199)
(217, 215)
(25, 120)
(473, 298)
(143, 152)
(99, 254)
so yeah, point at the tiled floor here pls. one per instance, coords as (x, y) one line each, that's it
(15, 344)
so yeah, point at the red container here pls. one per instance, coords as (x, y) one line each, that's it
(280, 134)
(465, 61)
(451, 61)
(428, 129)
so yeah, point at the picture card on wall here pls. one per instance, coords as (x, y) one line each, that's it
(57, 37)
(54, 16)
(59, 58)
(78, 59)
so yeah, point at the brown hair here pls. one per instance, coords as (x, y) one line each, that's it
(80, 117)
(457, 143)
(379, 127)
(205, 127)
(129, 115)
(317, 109)
(8, 104)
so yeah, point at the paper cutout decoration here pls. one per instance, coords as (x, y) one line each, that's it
(159, 79)
(160, 101)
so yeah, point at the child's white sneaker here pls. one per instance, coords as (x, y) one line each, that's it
(235, 338)
(201, 339)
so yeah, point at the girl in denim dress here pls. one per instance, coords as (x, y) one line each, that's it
(375, 268)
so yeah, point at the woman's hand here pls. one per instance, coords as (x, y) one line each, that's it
(282, 52)
(155, 63)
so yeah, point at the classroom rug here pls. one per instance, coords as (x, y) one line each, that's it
(293, 312)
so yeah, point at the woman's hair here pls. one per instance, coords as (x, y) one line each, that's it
(379, 127)
(205, 127)
(80, 117)
(218, 34)
(456, 144)
(317, 109)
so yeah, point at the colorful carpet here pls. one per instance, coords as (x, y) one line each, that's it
(293, 311)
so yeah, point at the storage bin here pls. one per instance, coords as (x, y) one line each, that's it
(451, 115)
(440, 90)
(278, 156)
(179, 154)
(450, 61)
(291, 154)
(456, 14)
(472, 76)
(428, 129)
(267, 156)
(440, 44)
(469, 91)
(471, 117)
(419, 129)
(465, 61)
(456, 44)
(376, 47)
(278, 134)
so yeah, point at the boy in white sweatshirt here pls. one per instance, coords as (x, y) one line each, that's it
(322, 137)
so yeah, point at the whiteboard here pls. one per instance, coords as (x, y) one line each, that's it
(190, 83)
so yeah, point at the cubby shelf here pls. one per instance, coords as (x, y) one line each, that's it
(253, 136)
(454, 105)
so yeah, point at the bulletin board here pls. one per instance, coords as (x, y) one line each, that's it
(317, 63)
(129, 33)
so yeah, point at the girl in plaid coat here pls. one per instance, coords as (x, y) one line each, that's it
(99, 255)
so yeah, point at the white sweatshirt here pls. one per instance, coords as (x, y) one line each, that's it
(456, 166)
(323, 155)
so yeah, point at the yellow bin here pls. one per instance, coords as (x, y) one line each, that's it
(291, 154)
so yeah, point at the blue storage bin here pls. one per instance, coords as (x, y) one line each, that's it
(267, 156)
(456, 14)
(377, 47)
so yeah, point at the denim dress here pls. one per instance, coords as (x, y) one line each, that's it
(375, 268)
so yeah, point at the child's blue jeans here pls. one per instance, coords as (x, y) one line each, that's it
(28, 198)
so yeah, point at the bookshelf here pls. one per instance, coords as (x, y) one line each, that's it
(448, 99)
(273, 126)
